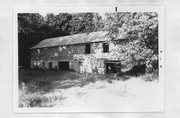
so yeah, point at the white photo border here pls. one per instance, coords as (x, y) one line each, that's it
(120, 8)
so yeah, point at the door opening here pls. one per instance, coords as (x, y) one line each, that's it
(50, 65)
(112, 67)
(63, 65)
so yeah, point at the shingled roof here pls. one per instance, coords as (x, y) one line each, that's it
(99, 36)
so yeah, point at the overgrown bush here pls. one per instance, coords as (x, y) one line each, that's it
(150, 76)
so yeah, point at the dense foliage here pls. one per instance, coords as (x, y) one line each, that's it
(141, 43)
(141, 29)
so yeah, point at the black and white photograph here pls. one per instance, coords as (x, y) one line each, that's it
(89, 61)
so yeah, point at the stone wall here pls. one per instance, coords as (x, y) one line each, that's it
(75, 54)
(54, 54)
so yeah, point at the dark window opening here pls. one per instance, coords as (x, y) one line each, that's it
(63, 65)
(43, 64)
(88, 48)
(105, 47)
(50, 65)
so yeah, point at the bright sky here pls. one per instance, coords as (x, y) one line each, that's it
(100, 10)
(44, 13)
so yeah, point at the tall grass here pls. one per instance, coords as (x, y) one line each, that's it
(37, 99)
(44, 88)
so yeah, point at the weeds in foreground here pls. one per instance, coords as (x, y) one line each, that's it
(40, 91)
(38, 99)
(150, 76)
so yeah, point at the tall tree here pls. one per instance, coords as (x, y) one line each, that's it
(141, 44)
(84, 22)
(28, 35)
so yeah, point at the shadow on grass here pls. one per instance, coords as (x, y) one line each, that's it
(45, 81)
(49, 80)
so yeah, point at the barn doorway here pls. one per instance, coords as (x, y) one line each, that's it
(63, 65)
(87, 48)
(112, 67)
(50, 65)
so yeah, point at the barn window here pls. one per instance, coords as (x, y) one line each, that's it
(105, 47)
(43, 64)
(88, 48)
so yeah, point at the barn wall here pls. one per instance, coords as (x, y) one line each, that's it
(57, 53)
(75, 54)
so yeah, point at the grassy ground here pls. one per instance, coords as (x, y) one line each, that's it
(43, 88)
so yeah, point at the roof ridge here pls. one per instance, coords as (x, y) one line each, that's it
(81, 38)
(74, 35)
